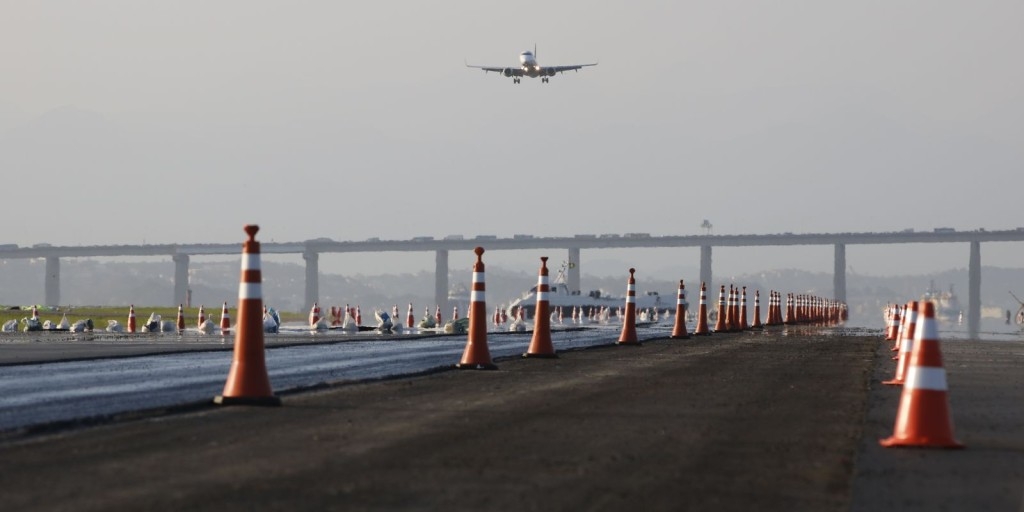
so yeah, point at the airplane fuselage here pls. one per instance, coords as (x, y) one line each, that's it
(528, 62)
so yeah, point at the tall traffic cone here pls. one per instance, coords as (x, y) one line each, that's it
(679, 329)
(540, 344)
(410, 318)
(702, 313)
(437, 315)
(180, 323)
(924, 418)
(477, 356)
(225, 320)
(628, 336)
(720, 321)
(202, 317)
(906, 341)
(756, 324)
(248, 382)
(131, 318)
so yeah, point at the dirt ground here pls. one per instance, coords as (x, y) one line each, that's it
(747, 421)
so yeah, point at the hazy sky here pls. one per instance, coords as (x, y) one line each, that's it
(127, 121)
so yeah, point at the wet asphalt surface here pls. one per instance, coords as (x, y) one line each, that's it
(774, 420)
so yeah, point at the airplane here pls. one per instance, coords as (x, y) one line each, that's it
(528, 67)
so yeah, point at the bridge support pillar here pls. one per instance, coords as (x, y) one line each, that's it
(312, 277)
(705, 266)
(839, 274)
(974, 291)
(180, 278)
(441, 280)
(573, 270)
(52, 289)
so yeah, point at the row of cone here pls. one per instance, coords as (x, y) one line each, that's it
(249, 383)
(923, 418)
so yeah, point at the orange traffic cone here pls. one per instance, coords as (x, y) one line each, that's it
(225, 320)
(906, 342)
(437, 315)
(131, 318)
(923, 418)
(628, 336)
(720, 322)
(180, 324)
(314, 315)
(756, 324)
(410, 319)
(893, 330)
(702, 313)
(202, 317)
(477, 356)
(248, 382)
(540, 344)
(679, 329)
(743, 311)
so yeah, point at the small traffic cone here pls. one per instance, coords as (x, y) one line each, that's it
(743, 311)
(924, 418)
(477, 356)
(202, 317)
(628, 336)
(410, 319)
(702, 313)
(720, 322)
(906, 342)
(437, 315)
(314, 315)
(731, 320)
(131, 318)
(756, 324)
(359, 316)
(891, 333)
(248, 382)
(679, 329)
(180, 324)
(35, 312)
(540, 344)
(455, 313)
(225, 320)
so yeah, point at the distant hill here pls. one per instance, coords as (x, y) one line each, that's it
(91, 282)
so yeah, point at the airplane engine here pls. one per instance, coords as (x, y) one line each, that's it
(507, 71)
(550, 72)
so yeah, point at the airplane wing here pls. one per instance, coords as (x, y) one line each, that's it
(514, 71)
(563, 69)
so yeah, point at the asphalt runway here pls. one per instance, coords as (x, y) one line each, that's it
(776, 420)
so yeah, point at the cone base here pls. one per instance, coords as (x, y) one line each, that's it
(529, 355)
(922, 442)
(476, 366)
(271, 401)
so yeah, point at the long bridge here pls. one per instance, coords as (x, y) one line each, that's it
(311, 250)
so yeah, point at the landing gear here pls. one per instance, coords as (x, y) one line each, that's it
(544, 80)
(515, 80)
